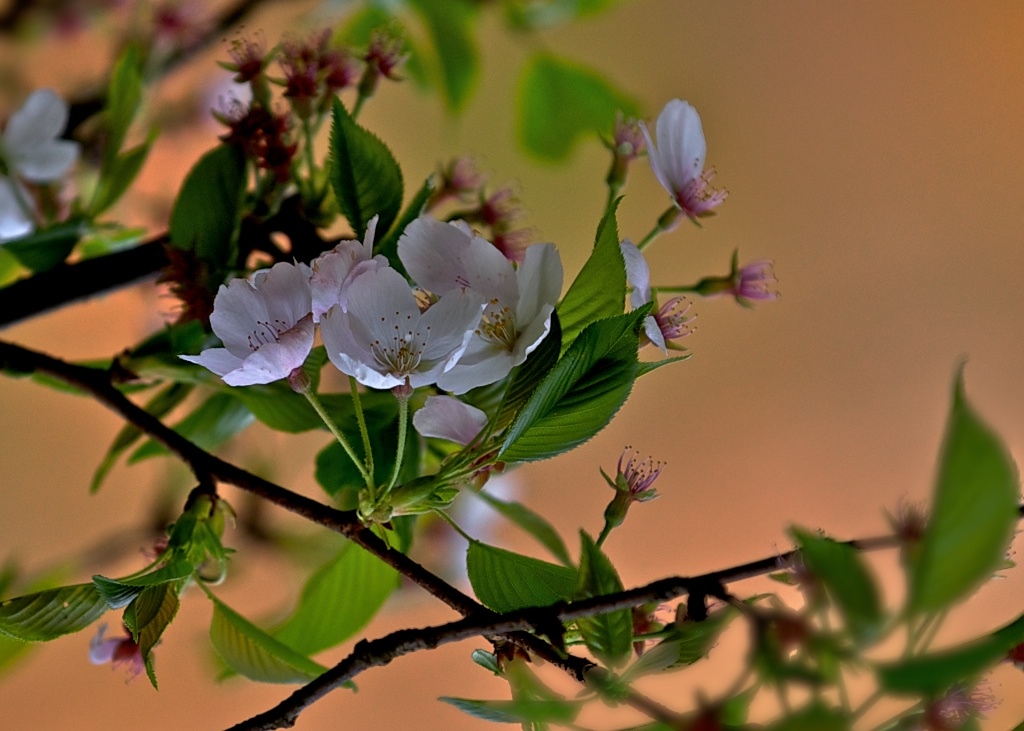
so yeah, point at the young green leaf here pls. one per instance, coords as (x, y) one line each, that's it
(206, 213)
(117, 176)
(124, 95)
(561, 101)
(450, 23)
(504, 581)
(581, 394)
(518, 711)
(609, 636)
(530, 522)
(120, 592)
(686, 643)
(338, 600)
(48, 614)
(44, 249)
(846, 578)
(599, 290)
(213, 422)
(974, 512)
(148, 616)
(366, 179)
(251, 652)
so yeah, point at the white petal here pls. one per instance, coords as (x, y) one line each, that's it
(451, 322)
(275, 360)
(432, 252)
(533, 335)
(41, 119)
(681, 144)
(446, 417)
(217, 360)
(540, 282)
(348, 352)
(654, 333)
(638, 273)
(48, 162)
(14, 223)
(654, 156)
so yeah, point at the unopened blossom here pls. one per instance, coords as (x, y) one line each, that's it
(633, 483)
(677, 154)
(249, 58)
(31, 150)
(666, 323)
(265, 323)
(335, 270)
(446, 417)
(519, 301)
(118, 651)
(384, 341)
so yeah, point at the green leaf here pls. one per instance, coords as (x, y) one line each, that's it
(646, 367)
(44, 249)
(120, 592)
(251, 652)
(388, 245)
(165, 400)
(48, 614)
(686, 643)
(518, 711)
(814, 717)
(338, 600)
(504, 581)
(581, 394)
(366, 179)
(609, 636)
(450, 23)
(935, 672)
(214, 421)
(531, 522)
(846, 578)
(527, 376)
(974, 512)
(124, 95)
(561, 101)
(552, 12)
(599, 290)
(117, 176)
(206, 214)
(148, 616)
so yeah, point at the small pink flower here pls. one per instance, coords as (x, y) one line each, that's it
(118, 651)
(960, 705)
(678, 159)
(748, 283)
(636, 477)
(386, 53)
(667, 323)
(248, 58)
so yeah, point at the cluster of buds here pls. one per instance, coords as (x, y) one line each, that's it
(263, 135)
(314, 71)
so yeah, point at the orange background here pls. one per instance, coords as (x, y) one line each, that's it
(873, 149)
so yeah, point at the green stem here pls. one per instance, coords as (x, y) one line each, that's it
(605, 532)
(455, 526)
(403, 423)
(679, 289)
(310, 163)
(358, 105)
(357, 404)
(322, 412)
(665, 221)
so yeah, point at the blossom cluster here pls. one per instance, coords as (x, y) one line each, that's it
(472, 316)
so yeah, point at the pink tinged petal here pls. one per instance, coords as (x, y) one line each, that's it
(431, 252)
(14, 223)
(40, 120)
(217, 360)
(654, 334)
(101, 650)
(682, 144)
(447, 327)
(654, 157)
(638, 274)
(448, 418)
(346, 351)
(275, 360)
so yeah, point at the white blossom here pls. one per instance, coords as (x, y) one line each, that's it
(336, 269)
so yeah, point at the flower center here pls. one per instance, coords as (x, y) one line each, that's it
(402, 353)
(266, 332)
(498, 325)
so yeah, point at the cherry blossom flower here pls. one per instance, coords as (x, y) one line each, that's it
(446, 417)
(440, 256)
(30, 150)
(678, 159)
(118, 651)
(747, 283)
(265, 323)
(335, 270)
(384, 341)
(666, 323)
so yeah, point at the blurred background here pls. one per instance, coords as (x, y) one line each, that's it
(872, 149)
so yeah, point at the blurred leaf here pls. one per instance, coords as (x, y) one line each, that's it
(366, 179)
(117, 176)
(974, 512)
(599, 290)
(581, 394)
(685, 644)
(532, 523)
(124, 95)
(165, 400)
(44, 249)
(450, 23)
(48, 614)
(251, 652)
(518, 711)
(213, 422)
(561, 101)
(935, 672)
(609, 636)
(338, 600)
(546, 13)
(814, 717)
(208, 208)
(846, 578)
(504, 581)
